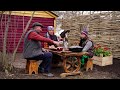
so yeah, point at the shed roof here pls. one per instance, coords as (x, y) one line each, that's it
(53, 13)
(46, 14)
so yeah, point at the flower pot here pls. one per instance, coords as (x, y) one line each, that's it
(103, 61)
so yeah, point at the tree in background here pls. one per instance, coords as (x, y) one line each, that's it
(7, 65)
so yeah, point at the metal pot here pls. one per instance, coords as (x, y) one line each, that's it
(75, 48)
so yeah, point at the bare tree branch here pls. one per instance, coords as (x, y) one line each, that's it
(14, 53)
(5, 40)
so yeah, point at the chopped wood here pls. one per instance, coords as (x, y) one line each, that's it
(71, 73)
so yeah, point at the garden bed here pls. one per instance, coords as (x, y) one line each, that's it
(103, 61)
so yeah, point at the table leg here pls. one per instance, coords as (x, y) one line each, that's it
(78, 66)
(64, 65)
(72, 65)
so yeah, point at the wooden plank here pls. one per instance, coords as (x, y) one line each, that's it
(103, 61)
(29, 13)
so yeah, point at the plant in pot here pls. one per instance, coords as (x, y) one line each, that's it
(102, 56)
(101, 51)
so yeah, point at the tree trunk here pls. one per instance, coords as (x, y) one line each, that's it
(5, 62)
(14, 53)
(23, 21)
(1, 18)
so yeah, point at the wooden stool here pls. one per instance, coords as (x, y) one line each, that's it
(89, 64)
(32, 66)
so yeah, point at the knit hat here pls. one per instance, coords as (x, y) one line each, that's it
(50, 28)
(85, 31)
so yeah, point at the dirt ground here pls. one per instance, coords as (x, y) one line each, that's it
(106, 72)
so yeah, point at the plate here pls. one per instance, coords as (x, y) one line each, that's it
(53, 49)
(75, 47)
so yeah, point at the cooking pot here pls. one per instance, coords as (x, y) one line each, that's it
(75, 48)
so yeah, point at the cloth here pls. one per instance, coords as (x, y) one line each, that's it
(52, 37)
(86, 44)
(37, 24)
(83, 58)
(64, 33)
(56, 59)
(85, 31)
(35, 36)
(31, 47)
(50, 28)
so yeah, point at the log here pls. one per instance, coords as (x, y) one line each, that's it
(71, 73)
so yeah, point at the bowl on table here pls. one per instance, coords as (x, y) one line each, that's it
(75, 48)
(52, 47)
(59, 48)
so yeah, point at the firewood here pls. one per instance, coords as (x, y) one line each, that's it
(71, 73)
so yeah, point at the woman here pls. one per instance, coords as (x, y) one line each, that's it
(50, 35)
(87, 45)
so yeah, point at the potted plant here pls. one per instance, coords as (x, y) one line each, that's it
(102, 56)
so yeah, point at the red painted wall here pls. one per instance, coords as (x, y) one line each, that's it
(16, 30)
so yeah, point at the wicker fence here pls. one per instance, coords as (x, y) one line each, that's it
(103, 29)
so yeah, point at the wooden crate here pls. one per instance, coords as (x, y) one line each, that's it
(103, 61)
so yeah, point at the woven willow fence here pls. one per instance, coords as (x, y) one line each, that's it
(104, 29)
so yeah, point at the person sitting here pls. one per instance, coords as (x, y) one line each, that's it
(50, 34)
(87, 45)
(33, 50)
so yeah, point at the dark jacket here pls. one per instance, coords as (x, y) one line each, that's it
(52, 37)
(83, 42)
(63, 33)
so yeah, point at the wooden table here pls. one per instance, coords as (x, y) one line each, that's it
(71, 67)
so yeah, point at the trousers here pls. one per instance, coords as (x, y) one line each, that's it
(46, 58)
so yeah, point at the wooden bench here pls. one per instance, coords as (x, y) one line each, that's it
(31, 66)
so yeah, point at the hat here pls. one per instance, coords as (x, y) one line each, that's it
(50, 28)
(37, 24)
(85, 31)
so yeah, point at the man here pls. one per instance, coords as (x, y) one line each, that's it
(33, 50)
(87, 45)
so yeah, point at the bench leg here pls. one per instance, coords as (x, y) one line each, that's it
(36, 68)
(33, 67)
(27, 66)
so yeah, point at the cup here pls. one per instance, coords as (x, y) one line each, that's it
(59, 48)
(61, 43)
